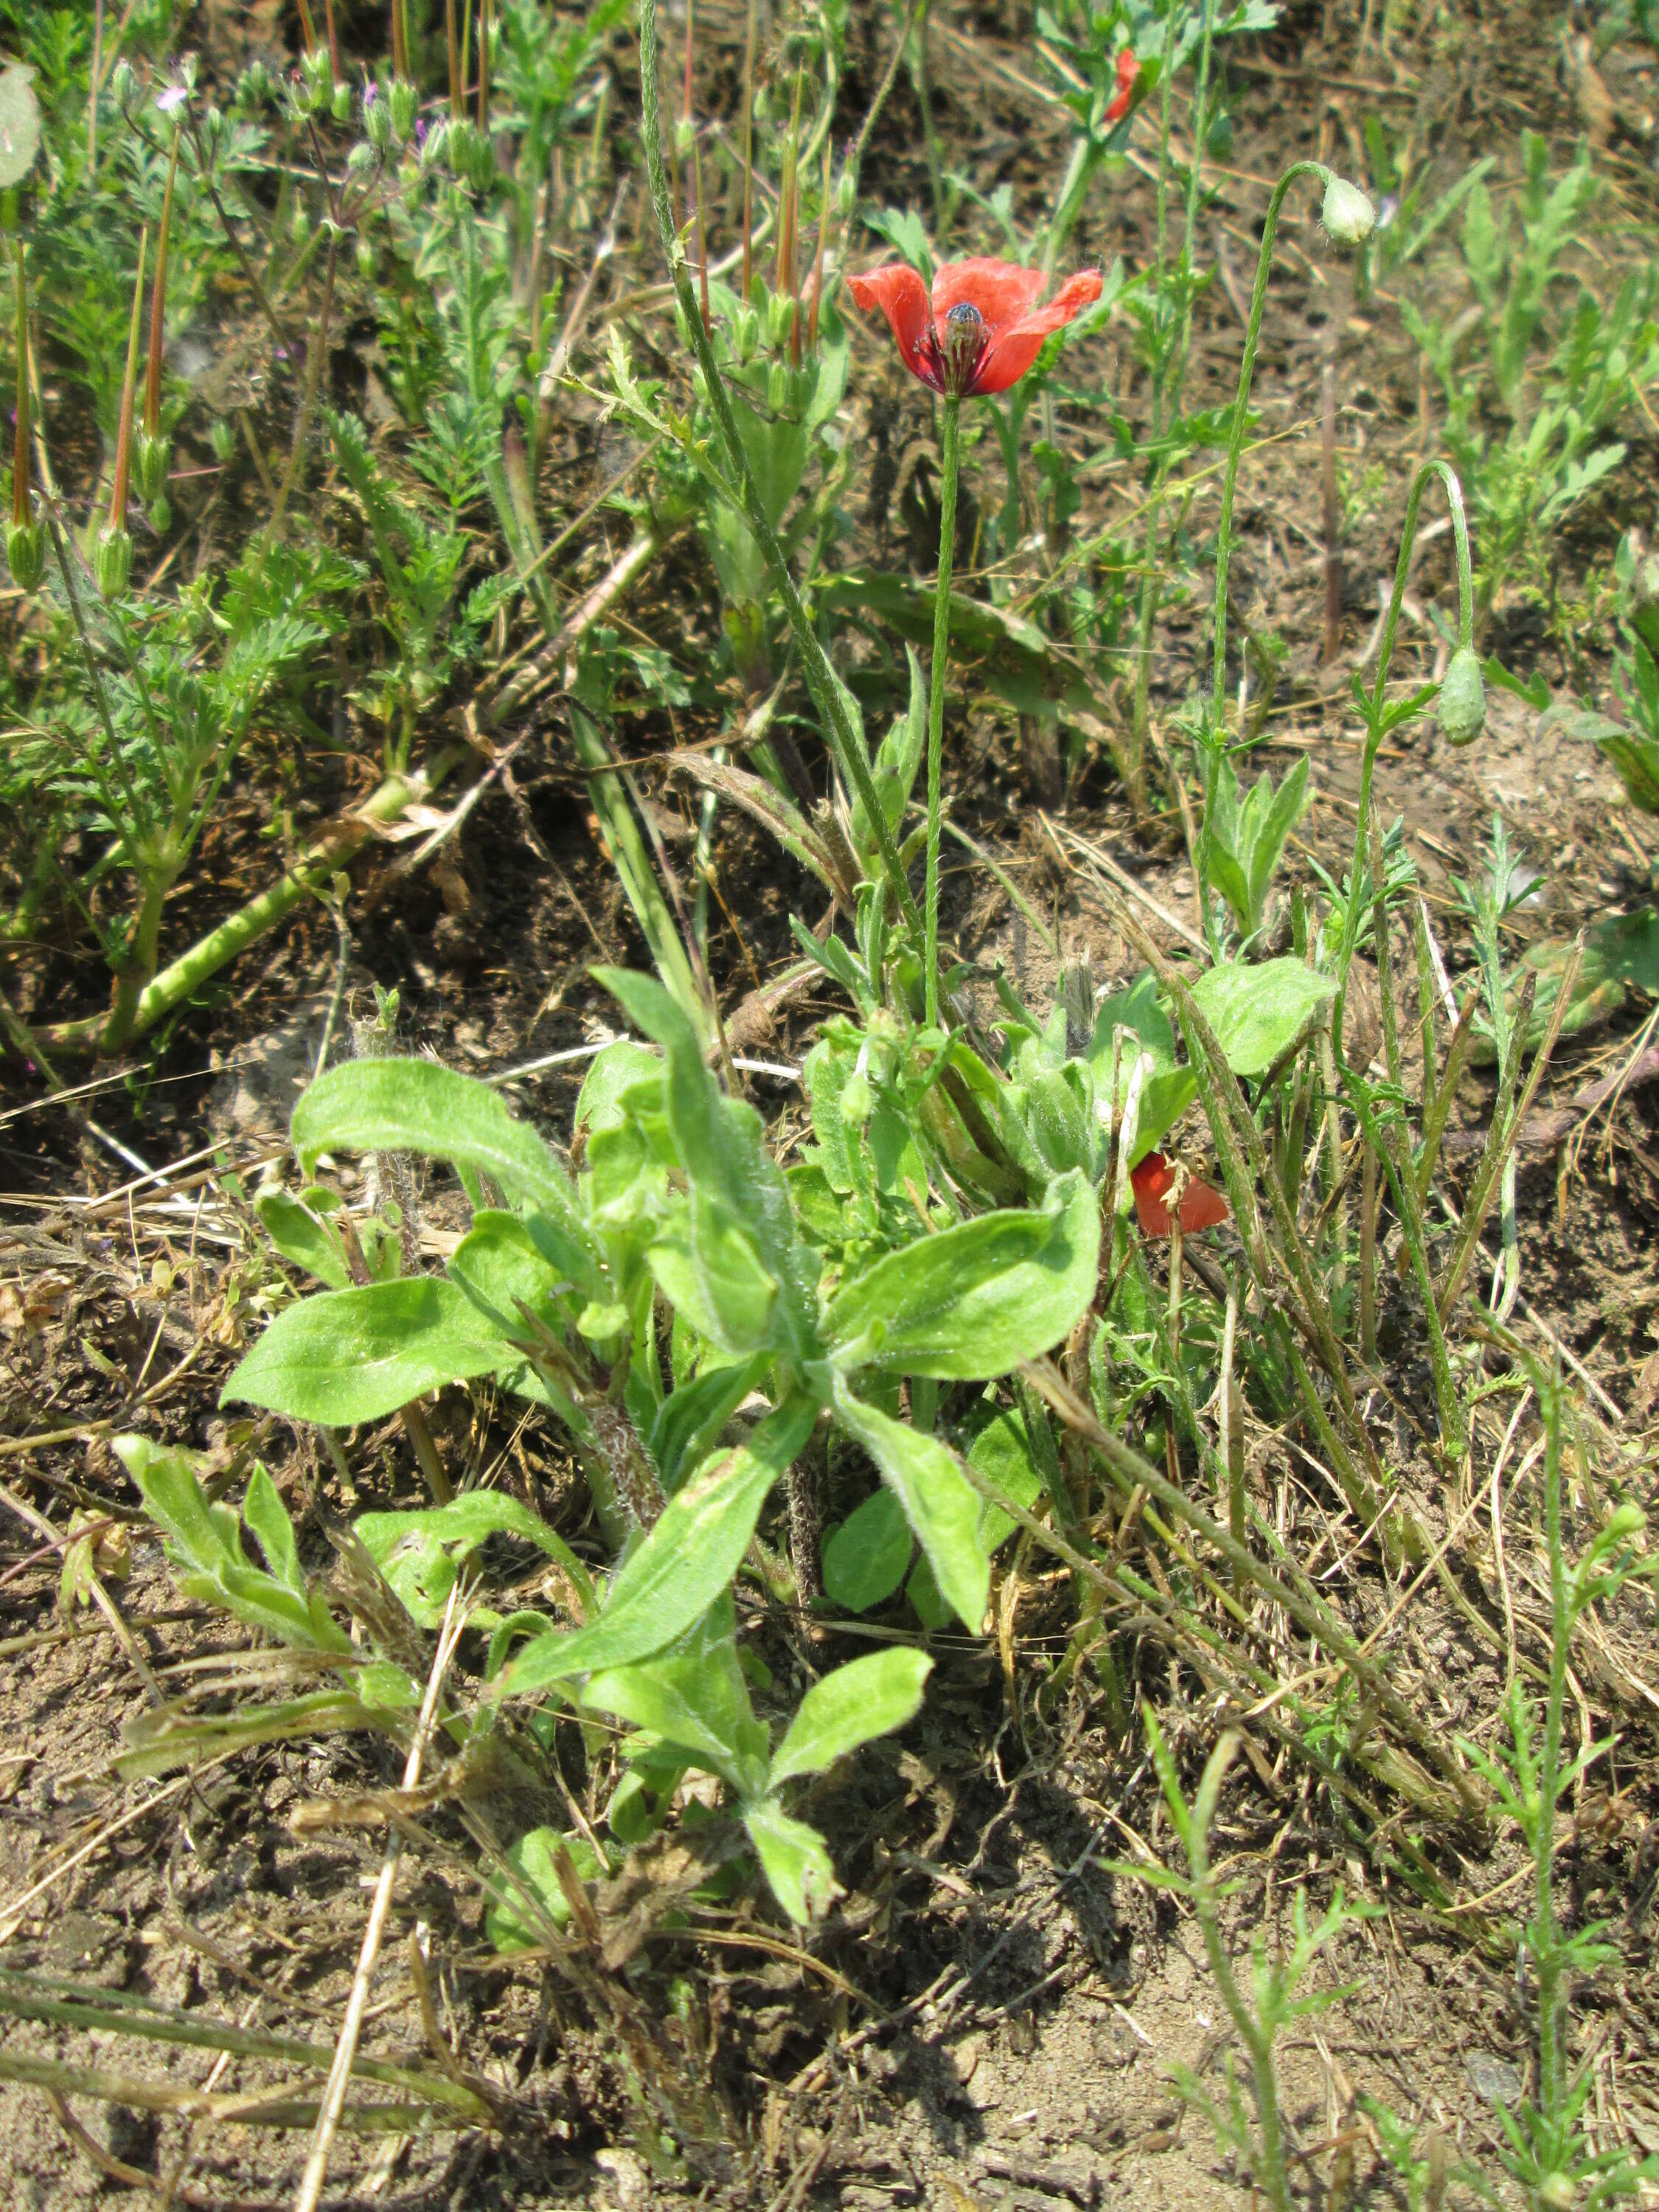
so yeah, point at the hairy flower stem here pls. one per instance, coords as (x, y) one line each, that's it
(1376, 724)
(1214, 735)
(949, 456)
(821, 679)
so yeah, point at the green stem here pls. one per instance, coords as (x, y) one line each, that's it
(821, 679)
(949, 452)
(1552, 2084)
(1214, 736)
(1374, 717)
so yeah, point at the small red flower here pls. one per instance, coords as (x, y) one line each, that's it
(1128, 68)
(980, 333)
(1152, 1180)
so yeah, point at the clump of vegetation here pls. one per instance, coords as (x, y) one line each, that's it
(1006, 1302)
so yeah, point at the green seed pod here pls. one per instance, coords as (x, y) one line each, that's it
(1462, 713)
(777, 386)
(122, 84)
(1348, 215)
(365, 256)
(151, 456)
(745, 333)
(480, 161)
(780, 318)
(847, 194)
(112, 560)
(161, 514)
(377, 119)
(222, 439)
(25, 555)
(340, 105)
(404, 104)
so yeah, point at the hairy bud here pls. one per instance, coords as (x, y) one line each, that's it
(112, 560)
(1462, 713)
(25, 554)
(151, 456)
(1347, 215)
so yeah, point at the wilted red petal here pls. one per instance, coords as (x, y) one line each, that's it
(1152, 1180)
(1002, 290)
(1013, 350)
(901, 296)
(1128, 68)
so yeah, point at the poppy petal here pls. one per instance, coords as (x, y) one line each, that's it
(1152, 1179)
(1002, 290)
(901, 296)
(1012, 352)
(1128, 70)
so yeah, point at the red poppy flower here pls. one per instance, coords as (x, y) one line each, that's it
(1128, 68)
(980, 332)
(1152, 1180)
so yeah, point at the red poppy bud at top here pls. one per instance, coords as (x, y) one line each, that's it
(978, 332)
(1128, 72)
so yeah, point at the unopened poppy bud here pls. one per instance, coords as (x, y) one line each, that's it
(1625, 1521)
(150, 456)
(25, 554)
(857, 1100)
(112, 560)
(1462, 713)
(404, 103)
(847, 194)
(1347, 215)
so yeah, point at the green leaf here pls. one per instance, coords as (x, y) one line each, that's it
(971, 1303)
(418, 1106)
(1002, 1453)
(1636, 758)
(420, 1553)
(612, 1075)
(866, 1559)
(691, 1553)
(794, 1859)
(303, 1238)
(1257, 1012)
(267, 1516)
(20, 125)
(690, 1420)
(692, 1696)
(500, 1262)
(508, 1923)
(868, 1697)
(348, 1356)
(939, 1503)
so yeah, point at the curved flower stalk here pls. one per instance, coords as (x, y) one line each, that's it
(978, 333)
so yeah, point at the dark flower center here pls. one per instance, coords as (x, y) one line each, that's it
(961, 343)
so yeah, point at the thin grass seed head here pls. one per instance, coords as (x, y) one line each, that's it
(979, 332)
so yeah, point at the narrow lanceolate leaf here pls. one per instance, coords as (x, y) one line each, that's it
(866, 1698)
(417, 1106)
(973, 1302)
(939, 1503)
(357, 1355)
(694, 1549)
